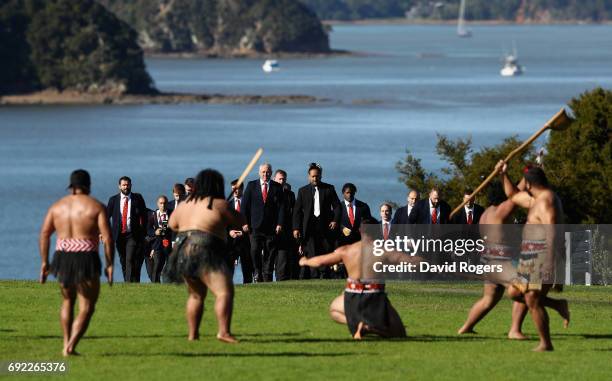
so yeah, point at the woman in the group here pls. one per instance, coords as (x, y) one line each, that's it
(200, 257)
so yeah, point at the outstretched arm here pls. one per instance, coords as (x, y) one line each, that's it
(323, 260)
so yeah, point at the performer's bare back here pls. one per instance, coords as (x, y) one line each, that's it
(77, 216)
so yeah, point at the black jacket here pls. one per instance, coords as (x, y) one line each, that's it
(138, 215)
(461, 216)
(259, 215)
(420, 213)
(303, 210)
(362, 211)
(156, 241)
(400, 216)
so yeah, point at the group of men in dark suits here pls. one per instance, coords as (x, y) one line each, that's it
(280, 227)
(434, 210)
(265, 245)
(141, 234)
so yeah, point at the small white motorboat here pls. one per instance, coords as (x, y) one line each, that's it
(270, 66)
(511, 66)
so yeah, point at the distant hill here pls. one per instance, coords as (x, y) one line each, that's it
(538, 11)
(223, 27)
(68, 44)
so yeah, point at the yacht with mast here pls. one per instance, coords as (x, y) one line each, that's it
(462, 30)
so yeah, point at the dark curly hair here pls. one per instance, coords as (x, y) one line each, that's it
(208, 183)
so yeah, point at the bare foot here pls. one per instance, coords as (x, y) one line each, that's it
(565, 313)
(67, 352)
(516, 336)
(543, 348)
(227, 338)
(357, 335)
(463, 331)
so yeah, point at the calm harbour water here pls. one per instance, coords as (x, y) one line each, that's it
(414, 82)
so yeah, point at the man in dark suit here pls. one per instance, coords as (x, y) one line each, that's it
(314, 220)
(189, 182)
(470, 213)
(350, 213)
(179, 195)
(430, 211)
(263, 207)
(238, 243)
(402, 213)
(128, 216)
(159, 238)
(387, 229)
(287, 259)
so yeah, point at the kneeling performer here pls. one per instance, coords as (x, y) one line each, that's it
(363, 305)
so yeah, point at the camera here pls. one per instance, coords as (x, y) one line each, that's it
(164, 227)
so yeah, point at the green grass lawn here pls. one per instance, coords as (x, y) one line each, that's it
(139, 332)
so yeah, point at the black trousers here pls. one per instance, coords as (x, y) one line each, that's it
(240, 249)
(131, 256)
(155, 265)
(287, 257)
(263, 254)
(319, 241)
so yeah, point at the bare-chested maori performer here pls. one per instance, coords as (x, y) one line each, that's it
(363, 305)
(541, 242)
(200, 257)
(78, 220)
(499, 251)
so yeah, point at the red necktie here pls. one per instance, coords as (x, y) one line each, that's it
(238, 205)
(124, 215)
(470, 217)
(386, 231)
(434, 216)
(264, 193)
(351, 215)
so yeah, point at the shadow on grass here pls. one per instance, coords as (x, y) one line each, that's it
(237, 354)
(295, 333)
(588, 336)
(436, 338)
(96, 337)
(289, 338)
(348, 339)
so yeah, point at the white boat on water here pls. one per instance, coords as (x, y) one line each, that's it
(462, 30)
(270, 66)
(511, 66)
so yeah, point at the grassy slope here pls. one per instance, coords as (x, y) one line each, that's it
(138, 332)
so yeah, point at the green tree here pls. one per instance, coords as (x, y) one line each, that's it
(79, 44)
(466, 168)
(579, 160)
(65, 44)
